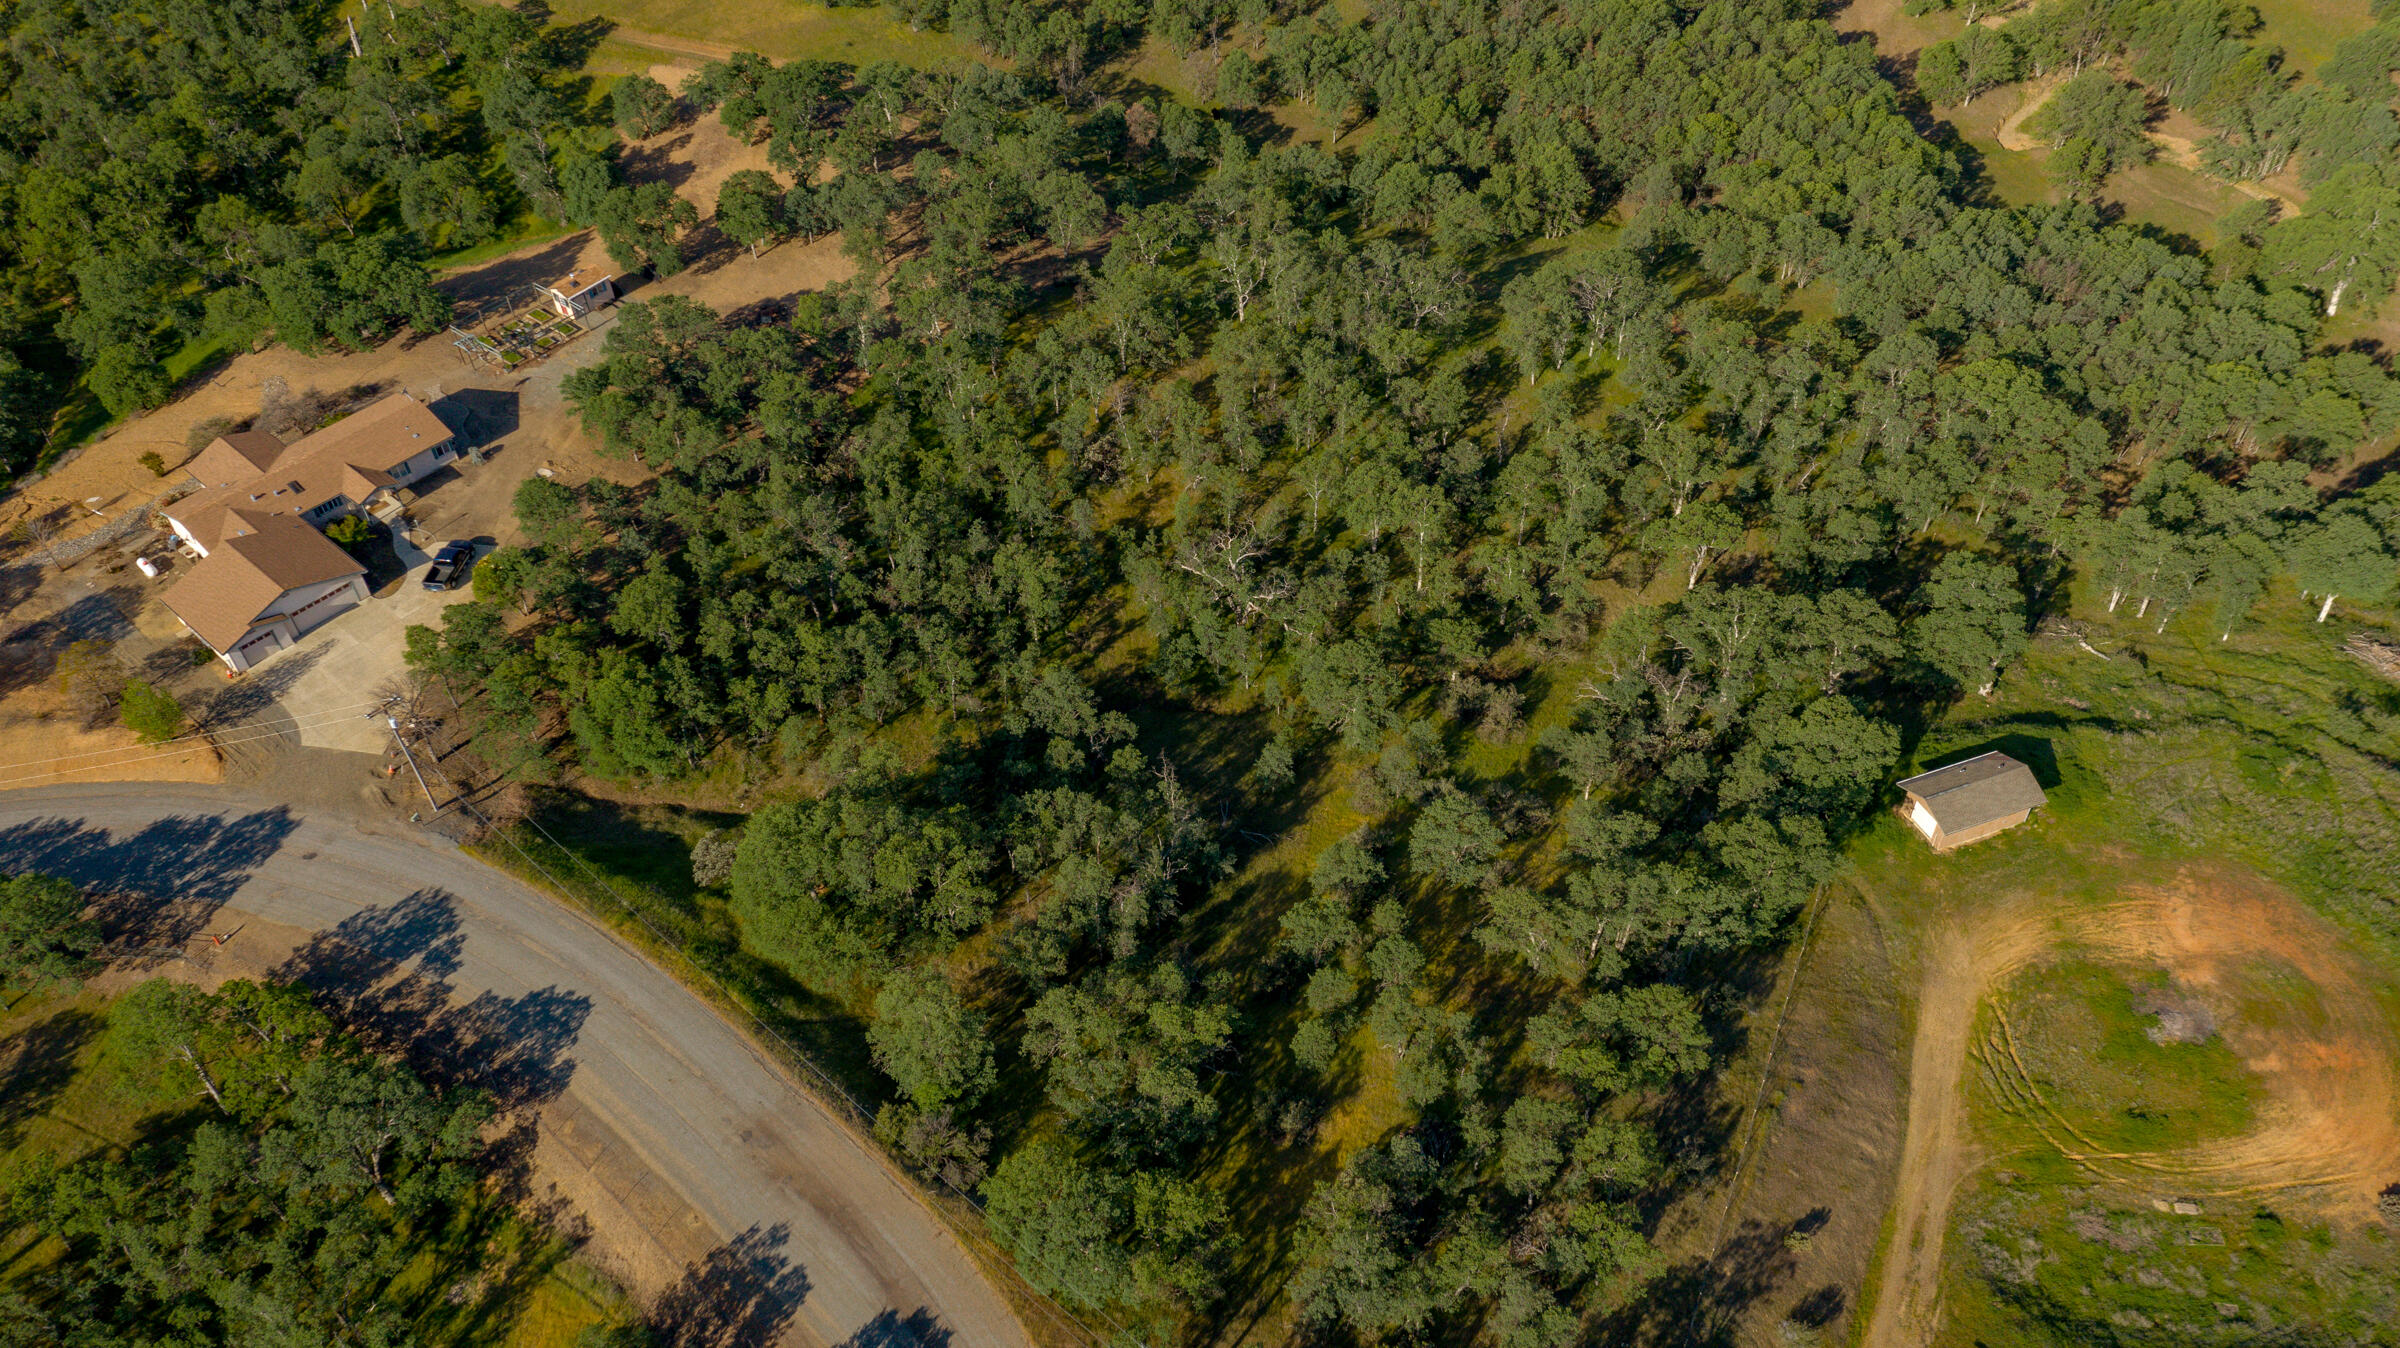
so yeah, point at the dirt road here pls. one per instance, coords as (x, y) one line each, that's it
(2327, 1136)
(712, 1184)
(1962, 962)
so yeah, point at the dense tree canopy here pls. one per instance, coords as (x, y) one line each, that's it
(284, 1217)
(1644, 368)
(202, 171)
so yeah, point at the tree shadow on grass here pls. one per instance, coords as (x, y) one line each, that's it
(2033, 751)
(658, 163)
(1702, 1301)
(37, 1063)
(487, 292)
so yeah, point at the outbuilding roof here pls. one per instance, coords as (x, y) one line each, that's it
(575, 284)
(1976, 792)
(261, 558)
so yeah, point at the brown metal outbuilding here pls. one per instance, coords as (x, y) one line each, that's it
(1967, 802)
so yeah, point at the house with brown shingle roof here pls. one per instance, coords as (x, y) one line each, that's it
(338, 470)
(268, 579)
(266, 574)
(1971, 800)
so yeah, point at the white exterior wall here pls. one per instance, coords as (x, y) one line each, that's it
(289, 617)
(294, 601)
(406, 474)
(1923, 819)
(185, 535)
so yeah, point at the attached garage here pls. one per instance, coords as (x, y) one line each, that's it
(262, 587)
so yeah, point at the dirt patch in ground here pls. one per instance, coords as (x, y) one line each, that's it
(2327, 1137)
(2330, 1125)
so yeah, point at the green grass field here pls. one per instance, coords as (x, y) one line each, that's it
(2174, 199)
(2309, 30)
(783, 29)
(2268, 754)
(2080, 1040)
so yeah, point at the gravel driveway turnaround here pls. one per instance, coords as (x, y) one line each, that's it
(800, 1236)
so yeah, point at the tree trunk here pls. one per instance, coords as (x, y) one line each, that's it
(2115, 596)
(207, 1082)
(2325, 608)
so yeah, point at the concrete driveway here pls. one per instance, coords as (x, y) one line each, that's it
(352, 656)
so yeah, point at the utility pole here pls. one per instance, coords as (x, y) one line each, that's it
(412, 763)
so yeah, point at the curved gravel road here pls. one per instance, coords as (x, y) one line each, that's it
(787, 1229)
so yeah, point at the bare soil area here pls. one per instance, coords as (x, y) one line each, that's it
(46, 737)
(43, 742)
(2327, 1137)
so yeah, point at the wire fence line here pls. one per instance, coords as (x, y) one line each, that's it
(132, 520)
(822, 1082)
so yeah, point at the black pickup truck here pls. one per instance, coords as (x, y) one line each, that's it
(450, 566)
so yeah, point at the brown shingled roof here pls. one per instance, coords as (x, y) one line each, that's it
(1981, 789)
(260, 558)
(387, 431)
(235, 457)
(352, 457)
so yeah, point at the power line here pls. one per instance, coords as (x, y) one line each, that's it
(267, 730)
(313, 720)
(217, 741)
